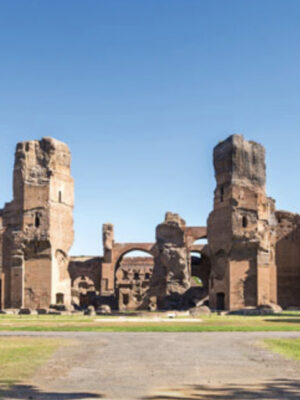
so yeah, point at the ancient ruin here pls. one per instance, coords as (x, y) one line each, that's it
(241, 228)
(251, 257)
(287, 258)
(37, 227)
(172, 265)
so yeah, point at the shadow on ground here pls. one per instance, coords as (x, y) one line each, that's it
(286, 314)
(285, 321)
(29, 392)
(276, 390)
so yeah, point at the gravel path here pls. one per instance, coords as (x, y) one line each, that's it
(163, 366)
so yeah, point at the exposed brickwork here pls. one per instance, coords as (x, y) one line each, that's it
(38, 226)
(172, 268)
(288, 258)
(252, 256)
(241, 229)
(133, 277)
(85, 274)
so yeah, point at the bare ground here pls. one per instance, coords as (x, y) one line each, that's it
(185, 366)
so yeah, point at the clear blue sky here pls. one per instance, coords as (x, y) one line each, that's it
(142, 91)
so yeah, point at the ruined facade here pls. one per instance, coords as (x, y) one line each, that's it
(252, 255)
(132, 281)
(37, 227)
(241, 228)
(85, 275)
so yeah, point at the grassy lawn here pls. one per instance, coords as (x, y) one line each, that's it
(289, 348)
(20, 357)
(214, 323)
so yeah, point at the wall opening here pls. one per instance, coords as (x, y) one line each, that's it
(245, 222)
(60, 298)
(84, 300)
(125, 299)
(197, 247)
(220, 301)
(60, 196)
(83, 285)
(37, 220)
(200, 272)
(222, 194)
(195, 268)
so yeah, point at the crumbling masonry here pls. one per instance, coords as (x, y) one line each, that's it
(37, 227)
(251, 258)
(241, 228)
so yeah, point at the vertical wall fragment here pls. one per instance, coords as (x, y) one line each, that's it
(241, 228)
(107, 271)
(38, 226)
(171, 273)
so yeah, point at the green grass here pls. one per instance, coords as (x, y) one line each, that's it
(289, 348)
(20, 357)
(214, 323)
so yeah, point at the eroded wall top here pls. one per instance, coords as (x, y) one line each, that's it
(236, 160)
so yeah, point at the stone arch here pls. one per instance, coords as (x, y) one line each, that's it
(122, 256)
(199, 247)
(121, 249)
(194, 233)
(201, 267)
(132, 276)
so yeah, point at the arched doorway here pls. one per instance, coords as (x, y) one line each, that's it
(196, 269)
(220, 301)
(133, 272)
(200, 270)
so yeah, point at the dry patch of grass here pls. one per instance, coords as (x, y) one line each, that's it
(20, 357)
(289, 348)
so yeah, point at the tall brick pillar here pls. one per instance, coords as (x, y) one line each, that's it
(38, 226)
(241, 228)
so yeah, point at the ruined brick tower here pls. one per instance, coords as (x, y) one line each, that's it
(241, 228)
(37, 226)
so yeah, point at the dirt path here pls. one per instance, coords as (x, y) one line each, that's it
(165, 366)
